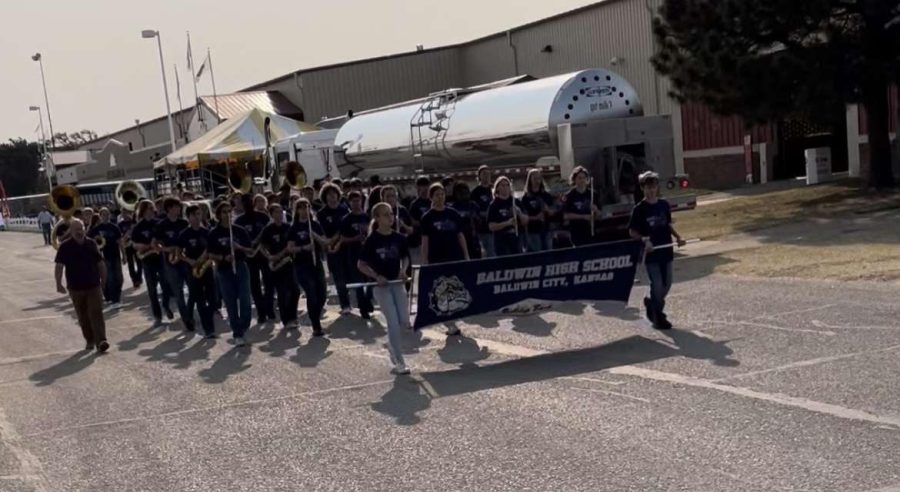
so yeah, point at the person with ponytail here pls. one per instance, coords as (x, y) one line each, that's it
(384, 258)
(505, 219)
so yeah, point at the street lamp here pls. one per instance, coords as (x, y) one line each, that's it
(44, 142)
(147, 34)
(38, 58)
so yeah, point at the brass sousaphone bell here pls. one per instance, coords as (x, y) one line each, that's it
(129, 194)
(239, 178)
(294, 175)
(63, 201)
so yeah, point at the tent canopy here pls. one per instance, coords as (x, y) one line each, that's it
(239, 138)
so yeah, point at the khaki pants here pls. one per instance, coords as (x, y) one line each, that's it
(89, 309)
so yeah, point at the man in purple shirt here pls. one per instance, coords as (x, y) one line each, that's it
(85, 276)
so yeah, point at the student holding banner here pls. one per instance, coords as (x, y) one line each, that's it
(384, 259)
(579, 209)
(504, 218)
(651, 222)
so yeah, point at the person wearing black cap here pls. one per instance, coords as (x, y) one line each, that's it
(651, 222)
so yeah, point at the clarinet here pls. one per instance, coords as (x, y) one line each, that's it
(233, 258)
(312, 244)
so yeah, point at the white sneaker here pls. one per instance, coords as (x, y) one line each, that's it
(400, 369)
(115, 305)
(346, 311)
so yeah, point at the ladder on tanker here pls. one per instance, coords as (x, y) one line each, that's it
(429, 125)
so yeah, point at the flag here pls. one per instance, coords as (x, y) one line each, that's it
(190, 55)
(37, 128)
(201, 69)
(177, 84)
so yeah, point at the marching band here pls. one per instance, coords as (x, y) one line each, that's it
(255, 249)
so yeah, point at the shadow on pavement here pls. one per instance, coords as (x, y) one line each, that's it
(366, 332)
(403, 401)
(314, 352)
(230, 363)
(693, 346)
(279, 344)
(462, 350)
(68, 367)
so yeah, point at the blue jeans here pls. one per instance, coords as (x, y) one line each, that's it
(487, 243)
(506, 244)
(537, 242)
(46, 229)
(339, 276)
(394, 305)
(175, 280)
(235, 288)
(113, 289)
(660, 282)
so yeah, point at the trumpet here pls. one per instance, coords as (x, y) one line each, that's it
(276, 265)
(201, 267)
(101, 241)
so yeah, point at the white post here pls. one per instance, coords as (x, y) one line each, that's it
(853, 160)
(678, 139)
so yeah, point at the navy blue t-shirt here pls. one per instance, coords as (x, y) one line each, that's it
(654, 220)
(417, 209)
(111, 234)
(501, 210)
(274, 238)
(482, 196)
(193, 242)
(219, 243)
(253, 222)
(441, 228)
(468, 212)
(354, 226)
(330, 219)
(579, 203)
(299, 235)
(534, 205)
(142, 232)
(167, 231)
(384, 252)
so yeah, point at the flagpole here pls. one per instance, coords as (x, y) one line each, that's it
(193, 78)
(212, 76)
(180, 106)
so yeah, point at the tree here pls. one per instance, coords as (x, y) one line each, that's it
(19, 163)
(768, 59)
(72, 141)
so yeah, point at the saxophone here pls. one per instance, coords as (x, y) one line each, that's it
(173, 258)
(276, 265)
(201, 267)
(147, 253)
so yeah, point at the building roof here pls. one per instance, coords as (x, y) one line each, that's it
(429, 50)
(238, 103)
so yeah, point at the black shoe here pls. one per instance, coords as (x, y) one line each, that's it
(261, 320)
(366, 314)
(649, 310)
(89, 346)
(189, 326)
(318, 333)
(168, 312)
(103, 346)
(210, 336)
(661, 322)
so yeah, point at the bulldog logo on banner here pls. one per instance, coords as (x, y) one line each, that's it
(601, 272)
(448, 296)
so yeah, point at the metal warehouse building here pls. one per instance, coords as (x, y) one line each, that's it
(615, 34)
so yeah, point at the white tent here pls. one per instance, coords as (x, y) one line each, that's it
(239, 138)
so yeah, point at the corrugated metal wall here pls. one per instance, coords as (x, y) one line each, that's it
(892, 111)
(591, 38)
(702, 129)
(332, 91)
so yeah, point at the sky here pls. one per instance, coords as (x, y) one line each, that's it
(101, 75)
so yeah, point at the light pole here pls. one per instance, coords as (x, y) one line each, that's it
(147, 34)
(38, 58)
(44, 142)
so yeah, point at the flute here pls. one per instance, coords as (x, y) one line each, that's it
(231, 241)
(593, 225)
(312, 244)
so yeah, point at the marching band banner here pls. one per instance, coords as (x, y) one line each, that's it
(602, 272)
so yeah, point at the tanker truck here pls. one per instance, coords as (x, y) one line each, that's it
(593, 118)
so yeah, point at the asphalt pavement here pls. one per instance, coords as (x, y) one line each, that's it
(764, 385)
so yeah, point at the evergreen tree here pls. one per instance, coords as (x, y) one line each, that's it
(768, 59)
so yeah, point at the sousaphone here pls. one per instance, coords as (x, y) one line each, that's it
(129, 194)
(63, 201)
